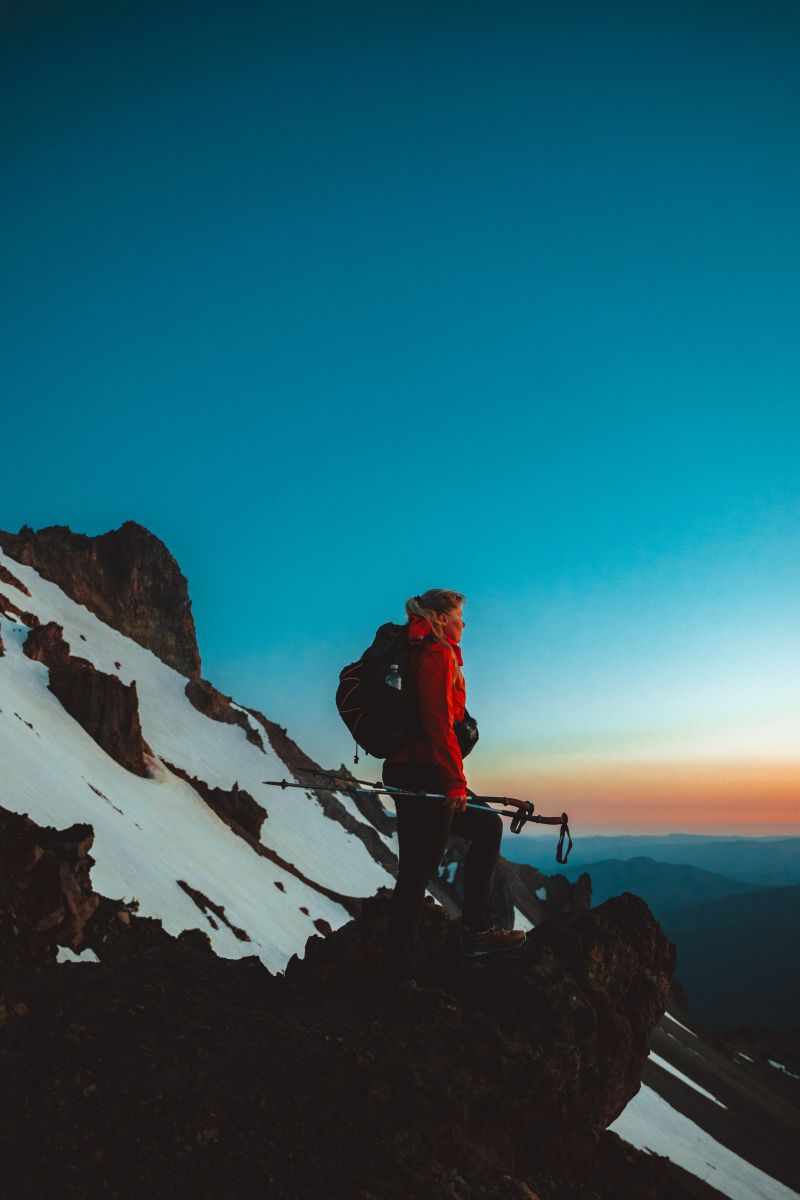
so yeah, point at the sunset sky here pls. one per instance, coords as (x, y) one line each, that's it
(345, 301)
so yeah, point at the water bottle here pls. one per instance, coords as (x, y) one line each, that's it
(393, 678)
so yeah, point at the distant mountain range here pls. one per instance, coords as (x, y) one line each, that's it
(664, 886)
(760, 861)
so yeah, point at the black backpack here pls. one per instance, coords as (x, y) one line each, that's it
(376, 697)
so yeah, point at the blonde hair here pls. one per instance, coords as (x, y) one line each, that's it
(430, 604)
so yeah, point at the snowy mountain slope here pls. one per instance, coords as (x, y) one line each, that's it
(717, 1114)
(650, 1123)
(150, 833)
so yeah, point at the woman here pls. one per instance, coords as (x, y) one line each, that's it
(433, 763)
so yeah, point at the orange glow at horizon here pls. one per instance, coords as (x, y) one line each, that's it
(753, 798)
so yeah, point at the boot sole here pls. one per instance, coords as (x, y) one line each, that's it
(497, 950)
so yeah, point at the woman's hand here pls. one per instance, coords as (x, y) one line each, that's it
(457, 801)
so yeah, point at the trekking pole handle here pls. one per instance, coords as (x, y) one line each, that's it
(520, 817)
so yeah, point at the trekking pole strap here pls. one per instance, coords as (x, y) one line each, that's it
(561, 854)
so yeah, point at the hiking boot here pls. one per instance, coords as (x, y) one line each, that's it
(491, 940)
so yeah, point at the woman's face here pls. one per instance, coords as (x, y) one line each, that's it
(453, 623)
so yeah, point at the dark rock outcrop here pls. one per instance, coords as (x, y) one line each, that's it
(288, 750)
(234, 806)
(9, 609)
(214, 913)
(212, 703)
(562, 1025)
(126, 577)
(47, 901)
(12, 581)
(215, 1078)
(45, 644)
(46, 895)
(102, 704)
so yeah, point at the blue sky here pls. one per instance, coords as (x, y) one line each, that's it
(346, 301)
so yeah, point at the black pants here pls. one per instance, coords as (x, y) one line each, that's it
(423, 827)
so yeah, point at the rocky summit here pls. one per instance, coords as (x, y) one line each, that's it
(162, 1066)
(126, 577)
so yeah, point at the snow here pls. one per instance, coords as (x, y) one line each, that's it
(150, 833)
(541, 893)
(649, 1123)
(521, 921)
(352, 808)
(745, 1056)
(666, 1066)
(677, 1022)
(780, 1067)
(69, 956)
(388, 805)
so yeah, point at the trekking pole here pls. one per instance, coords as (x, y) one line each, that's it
(520, 815)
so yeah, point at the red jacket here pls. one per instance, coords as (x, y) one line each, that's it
(442, 699)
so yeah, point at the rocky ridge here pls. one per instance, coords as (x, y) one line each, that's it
(126, 577)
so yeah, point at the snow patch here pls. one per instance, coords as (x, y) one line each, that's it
(649, 1123)
(388, 805)
(348, 803)
(677, 1022)
(521, 921)
(66, 955)
(780, 1067)
(666, 1066)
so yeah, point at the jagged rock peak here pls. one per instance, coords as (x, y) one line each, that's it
(126, 577)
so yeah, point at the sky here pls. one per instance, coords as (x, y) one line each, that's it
(348, 301)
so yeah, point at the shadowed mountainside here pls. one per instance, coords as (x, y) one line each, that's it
(711, 940)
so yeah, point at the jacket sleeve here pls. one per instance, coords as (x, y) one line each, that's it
(435, 686)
